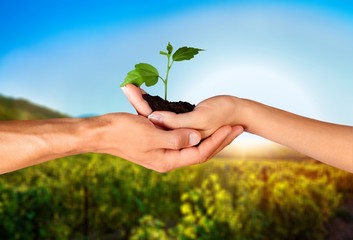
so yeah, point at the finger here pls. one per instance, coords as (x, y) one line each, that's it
(172, 120)
(195, 155)
(236, 131)
(176, 139)
(134, 95)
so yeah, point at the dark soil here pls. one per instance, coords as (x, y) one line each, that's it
(159, 104)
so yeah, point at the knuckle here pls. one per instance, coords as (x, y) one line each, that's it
(171, 122)
(176, 123)
(162, 166)
(203, 159)
(161, 169)
(177, 142)
(203, 124)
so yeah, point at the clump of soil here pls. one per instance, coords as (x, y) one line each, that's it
(159, 104)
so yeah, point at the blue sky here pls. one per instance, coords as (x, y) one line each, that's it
(72, 55)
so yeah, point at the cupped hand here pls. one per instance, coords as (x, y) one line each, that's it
(207, 117)
(136, 139)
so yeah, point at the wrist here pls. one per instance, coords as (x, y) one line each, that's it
(91, 134)
(243, 109)
(100, 134)
(236, 117)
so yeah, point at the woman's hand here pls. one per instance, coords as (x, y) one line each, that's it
(207, 117)
(323, 141)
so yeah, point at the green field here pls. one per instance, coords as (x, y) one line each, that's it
(102, 197)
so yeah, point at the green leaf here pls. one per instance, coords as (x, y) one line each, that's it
(169, 48)
(132, 77)
(163, 53)
(148, 73)
(143, 73)
(185, 53)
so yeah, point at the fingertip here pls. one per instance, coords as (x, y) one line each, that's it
(125, 91)
(133, 88)
(241, 128)
(194, 138)
(238, 129)
(134, 95)
(165, 119)
(226, 130)
(155, 117)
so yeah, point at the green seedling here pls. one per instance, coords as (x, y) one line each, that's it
(145, 73)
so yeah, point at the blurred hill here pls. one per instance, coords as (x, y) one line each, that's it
(21, 109)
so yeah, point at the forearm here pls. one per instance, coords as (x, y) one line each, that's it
(26, 143)
(326, 142)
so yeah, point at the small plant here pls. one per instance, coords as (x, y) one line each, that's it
(145, 73)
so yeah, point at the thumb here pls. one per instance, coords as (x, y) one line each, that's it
(177, 139)
(134, 95)
(173, 121)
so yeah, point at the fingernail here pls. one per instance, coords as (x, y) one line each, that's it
(125, 91)
(194, 139)
(155, 117)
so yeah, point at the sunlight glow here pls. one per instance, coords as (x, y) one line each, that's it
(256, 80)
(260, 81)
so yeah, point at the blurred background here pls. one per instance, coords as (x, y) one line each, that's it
(68, 58)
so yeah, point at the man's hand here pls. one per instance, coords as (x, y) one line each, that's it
(136, 139)
(133, 137)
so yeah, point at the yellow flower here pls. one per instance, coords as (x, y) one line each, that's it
(186, 208)
(190, 232)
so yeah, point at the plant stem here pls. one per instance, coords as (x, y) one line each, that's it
(161, 79)
(169, 65)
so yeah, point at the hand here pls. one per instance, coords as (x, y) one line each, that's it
(132, 137)
(136, 139)
(207, 117)
(323, 141)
